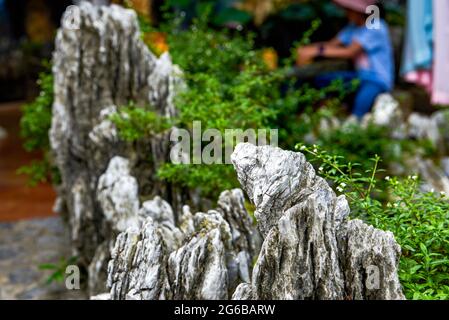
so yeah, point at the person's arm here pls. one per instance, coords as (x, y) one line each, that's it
(335, 42)
(308, 53)
(340, 52)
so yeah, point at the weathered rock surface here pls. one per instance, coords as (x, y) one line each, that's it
(161, 212)
(435, 179)
(436, 130)
(387, 113)
(137, 269)
(376, 253)
(118, 196)
(199, 269)
(206, 257)
(246, 240)
(276, 187)
(310, 249)
(243, 292)
(99, 66)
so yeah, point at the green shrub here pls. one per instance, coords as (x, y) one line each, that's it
(134, 122)
(40, 171)
(302, 109)
(36, 116)
(228, 87)
(35, 124)
(419, 221)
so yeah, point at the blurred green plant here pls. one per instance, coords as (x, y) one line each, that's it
(228, 87)
(58, 269)
(40, 171)
(135, 122)
(36, 116)
(301, 110)
(35, 124)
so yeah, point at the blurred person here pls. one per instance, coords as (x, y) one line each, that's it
(369, 48)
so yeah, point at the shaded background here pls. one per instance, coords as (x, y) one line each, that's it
(28, 27)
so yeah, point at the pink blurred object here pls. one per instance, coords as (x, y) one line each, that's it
(423, 78)
(441, 56)
(356, 5)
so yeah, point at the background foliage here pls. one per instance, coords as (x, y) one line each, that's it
(418, 220)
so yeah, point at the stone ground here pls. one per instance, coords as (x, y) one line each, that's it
(24, 246)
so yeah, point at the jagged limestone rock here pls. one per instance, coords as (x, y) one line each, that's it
(199, 269)
(142, 267)
(299, 256)
(97, 269)
(206, 257)
(243, 292)
(100, 65)
(376, 253)
(158, 209)
(310, 249)
(118, 196)
(272, 188)
(422, 127)
(435, 178)
(161, 212)
(137, 269)
(245, 237)
(434, 128)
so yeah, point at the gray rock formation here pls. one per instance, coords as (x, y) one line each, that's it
(204, 256)
(434, 128)
(118, 196)
(137, 269)
(163, 251)
(387, 113)
(376, 253)
(275, 187)
(434, 178)
(99, 65)
(310, 249)
(203, 268)
(245, 238)
(422, 127)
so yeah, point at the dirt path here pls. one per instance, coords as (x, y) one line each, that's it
(17, 200)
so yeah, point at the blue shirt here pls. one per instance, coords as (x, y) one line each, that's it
(376, 62)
